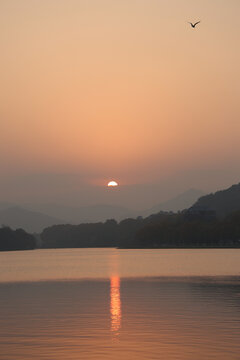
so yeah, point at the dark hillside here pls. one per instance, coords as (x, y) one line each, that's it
(224, 202)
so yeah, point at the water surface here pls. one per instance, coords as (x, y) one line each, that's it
(65, 264)
(120, 304)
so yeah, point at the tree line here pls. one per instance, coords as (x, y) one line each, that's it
(15, 239)
(163, 230)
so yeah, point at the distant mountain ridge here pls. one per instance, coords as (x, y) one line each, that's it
(36, 217)
(31, 221)
(178, 203)
(82, 214)
(223, 202)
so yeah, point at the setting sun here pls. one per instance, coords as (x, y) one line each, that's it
(112, 183)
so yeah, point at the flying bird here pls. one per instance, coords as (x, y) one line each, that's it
(193, 25)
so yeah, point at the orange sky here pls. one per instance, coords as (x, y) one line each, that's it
(121, 89)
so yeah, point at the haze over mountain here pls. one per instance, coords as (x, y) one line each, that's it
(35, 217)
(178, 203)
(16, 217)
(83, 214)
(73, 191)
(199, 229)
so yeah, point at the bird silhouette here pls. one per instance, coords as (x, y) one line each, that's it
(193, 25)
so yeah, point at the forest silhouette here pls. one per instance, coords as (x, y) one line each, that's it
(164, 230)
(212, 222)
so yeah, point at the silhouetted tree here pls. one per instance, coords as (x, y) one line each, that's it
(15, 240)
(163, 230)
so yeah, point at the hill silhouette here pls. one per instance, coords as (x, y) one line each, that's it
(199, 228)
(223, 202)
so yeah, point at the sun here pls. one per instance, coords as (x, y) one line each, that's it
(112, 184)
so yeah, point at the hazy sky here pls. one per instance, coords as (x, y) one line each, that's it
(94, 90)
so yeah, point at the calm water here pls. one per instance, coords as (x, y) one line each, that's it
(120, 304)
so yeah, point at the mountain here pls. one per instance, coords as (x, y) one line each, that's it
(223, 202)
(180, 202)
(82, 214)
(36, 217)
(16, 217)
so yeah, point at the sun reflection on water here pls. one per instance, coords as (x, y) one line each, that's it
(115, 304)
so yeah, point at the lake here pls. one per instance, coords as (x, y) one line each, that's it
(120, 304)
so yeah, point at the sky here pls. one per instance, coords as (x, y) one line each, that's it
(125, 90)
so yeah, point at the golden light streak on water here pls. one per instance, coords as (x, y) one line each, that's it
(115, 304)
